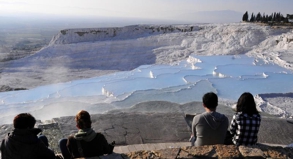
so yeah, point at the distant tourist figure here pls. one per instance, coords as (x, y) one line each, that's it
(23, 142)
(210, 127)
(245, 123)
(86, 142)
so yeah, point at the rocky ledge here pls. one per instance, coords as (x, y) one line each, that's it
(211, 151)
(219, 151)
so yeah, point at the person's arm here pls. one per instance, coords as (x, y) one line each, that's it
(193, 126)
(107, 148)
(193, 130)
(69, 148)
(2, 147)
(233, 126)
(44, 152)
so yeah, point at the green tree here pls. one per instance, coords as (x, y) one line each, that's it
(263, 18)
(245, 17)
(252, 18)
(258, 17)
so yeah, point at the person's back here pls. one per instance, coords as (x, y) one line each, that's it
(246, 122)
(91, 146)
(211, 128)
(86, 142)
(245, 128)
(23, 142)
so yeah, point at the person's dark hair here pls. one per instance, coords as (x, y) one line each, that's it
(210, 100)
(246, 104)
(83, 119)
(24, 121)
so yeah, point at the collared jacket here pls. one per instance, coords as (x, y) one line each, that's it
(24, 144)
(87, 143)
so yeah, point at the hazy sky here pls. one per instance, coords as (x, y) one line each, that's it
(154, 9)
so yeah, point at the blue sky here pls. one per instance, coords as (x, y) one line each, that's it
(153, 9)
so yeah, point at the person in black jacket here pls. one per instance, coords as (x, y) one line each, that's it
(86, 142)
(23, 142)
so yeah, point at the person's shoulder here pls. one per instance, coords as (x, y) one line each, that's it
(224, 116)
(3, 142)
(201, 116)
(198, 116)
(99, 134)
(257, 115)
(237, 115)
(219, 113)
(71, 137)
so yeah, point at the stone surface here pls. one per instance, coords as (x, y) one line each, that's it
(215, 151)
(200, 151)
(53, 133)
(275, 130)
(111, 156)
(169, 153)
(227, 151)
(142, 128)
(273, 152)
(144, 155)
(252, 151)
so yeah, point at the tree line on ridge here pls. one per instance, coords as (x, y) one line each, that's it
(265, 18)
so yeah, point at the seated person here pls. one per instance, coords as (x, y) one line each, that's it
(86, 142)
(23, 142)
(210, 127)
(245, 123)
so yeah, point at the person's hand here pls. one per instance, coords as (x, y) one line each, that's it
(59, 156)
(112, 145)
(192, 140)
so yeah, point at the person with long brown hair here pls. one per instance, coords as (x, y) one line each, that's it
(246, 121)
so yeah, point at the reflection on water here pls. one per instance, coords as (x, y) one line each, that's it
(228, 76)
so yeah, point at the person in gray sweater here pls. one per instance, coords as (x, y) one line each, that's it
(210, 127)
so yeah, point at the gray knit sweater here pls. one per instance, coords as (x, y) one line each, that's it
(209, 128)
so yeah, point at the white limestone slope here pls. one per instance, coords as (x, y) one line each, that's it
(168, 44)
(83, 53)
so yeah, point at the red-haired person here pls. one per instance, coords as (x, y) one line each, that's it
(86, 142)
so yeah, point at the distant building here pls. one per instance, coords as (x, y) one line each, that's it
(290, 18)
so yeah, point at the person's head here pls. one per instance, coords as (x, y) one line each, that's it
(210, 100)
(83, 120)
(24, 121)
(246, 104)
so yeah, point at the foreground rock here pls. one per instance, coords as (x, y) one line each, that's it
(209, 151)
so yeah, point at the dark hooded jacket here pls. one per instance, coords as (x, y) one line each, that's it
(209, 128)
(91, 143)
(24, 144)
